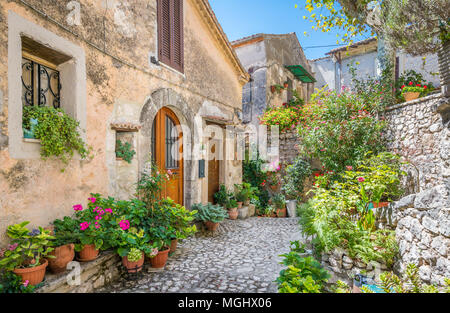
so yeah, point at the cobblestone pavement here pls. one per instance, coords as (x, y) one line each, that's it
(241, 256)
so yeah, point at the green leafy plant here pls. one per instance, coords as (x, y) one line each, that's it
(150, 184)
(180, 219)
(303, 274)
(12, 283)
(57, 131)
(257, 178)
(223, 196)
(209, 212)
(65, 231)
(231, 203)
(279, 201)
(124, 151)
(134, 255)
(27, 248)
(245, 192)
(408, 79)
(296, 174)
(286, 118)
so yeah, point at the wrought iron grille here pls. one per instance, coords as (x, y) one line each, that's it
(171, 145)
(41, 85)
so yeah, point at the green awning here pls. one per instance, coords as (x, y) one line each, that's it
(301, 74)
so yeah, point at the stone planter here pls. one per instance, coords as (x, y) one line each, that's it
(251, 210)
(243, 212)
(291, 208)
(240, 205)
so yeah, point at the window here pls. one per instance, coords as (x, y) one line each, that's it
(40, 83)
(170, 33)
(171, 145)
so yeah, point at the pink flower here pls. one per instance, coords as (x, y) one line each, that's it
(12, 247)
(154, 252)
(25, 284)
(349, 168)
(361, 179)
(84, 225)
(92, 200)
(124, 224)
(108, 211)
(98, 217)
(78, 207)
(169, 172)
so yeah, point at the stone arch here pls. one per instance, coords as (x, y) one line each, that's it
(166, 97)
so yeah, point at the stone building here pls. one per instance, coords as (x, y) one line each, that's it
(333, 69)
(127, 70)
(272, 60)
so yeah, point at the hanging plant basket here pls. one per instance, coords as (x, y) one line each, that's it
(409, 96)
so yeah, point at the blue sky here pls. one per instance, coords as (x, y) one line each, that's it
(241, 18)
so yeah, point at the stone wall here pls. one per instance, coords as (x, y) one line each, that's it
(289, 146)
(423, 233)
(418, 132)
(93, 275)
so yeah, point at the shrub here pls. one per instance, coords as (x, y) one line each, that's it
(12, 283)
(210, 213)
(257, 178)
(339, 129)
(294, 180)
(279, 201)
(303, 274)
(223, 196)
(124, 151)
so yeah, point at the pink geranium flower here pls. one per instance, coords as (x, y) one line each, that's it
(124, 224)
(349, 168)
(78, 207)
(84, 225)
(25, 283)
(92, 200)
(108, 211)
(361, 179)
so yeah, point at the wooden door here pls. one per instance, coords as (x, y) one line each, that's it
(169, 153)
(213, 169)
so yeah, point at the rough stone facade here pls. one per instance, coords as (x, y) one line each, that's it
(93, 275)
(117, 41)
(289, 146)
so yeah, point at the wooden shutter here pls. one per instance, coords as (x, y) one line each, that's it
(164, 31)
(170, 33)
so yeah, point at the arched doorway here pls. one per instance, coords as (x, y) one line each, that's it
(167, 152)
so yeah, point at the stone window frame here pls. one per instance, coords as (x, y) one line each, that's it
(72, 75)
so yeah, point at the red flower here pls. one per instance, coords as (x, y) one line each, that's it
(425, 87)
(418, 85)
(410, 83)
(403, 86)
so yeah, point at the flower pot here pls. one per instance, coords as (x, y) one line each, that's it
(240, 205)
(34, 275)
(62, 256)
(173, 245)
(133, 267)
(233, 213)
(243, 212)
(409, 96)
(159, 261)
(251, 210)
(211, 226)
(286, 85)
(272, 89)
(281, 212)
(88, 253)
(247, 202)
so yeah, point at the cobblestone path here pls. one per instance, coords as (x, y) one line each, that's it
(242, 256)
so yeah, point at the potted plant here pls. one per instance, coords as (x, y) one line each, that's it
(124, 151)
(294, 182)
(240, 195)
(134, 260)
(26, 253)
(232, 207)
(180, 221)
(65, 235)
(412, 92)
(211, 215)
(221, 197)
(93, 227)
(279, 201)
(286, 85)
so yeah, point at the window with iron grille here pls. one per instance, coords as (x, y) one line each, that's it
(172, 148)
(170, 33)
(40, 84)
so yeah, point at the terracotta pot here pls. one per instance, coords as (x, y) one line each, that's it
(89, 253)
(240, 204)
(286, 85)
(380, 204)
(211, 226)
(62, 256)
(281, 212)
(409, 96)
(133, 267)
(233, 213)
(34, 275)
(272, 89)
(173, 245)
(159, 261)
